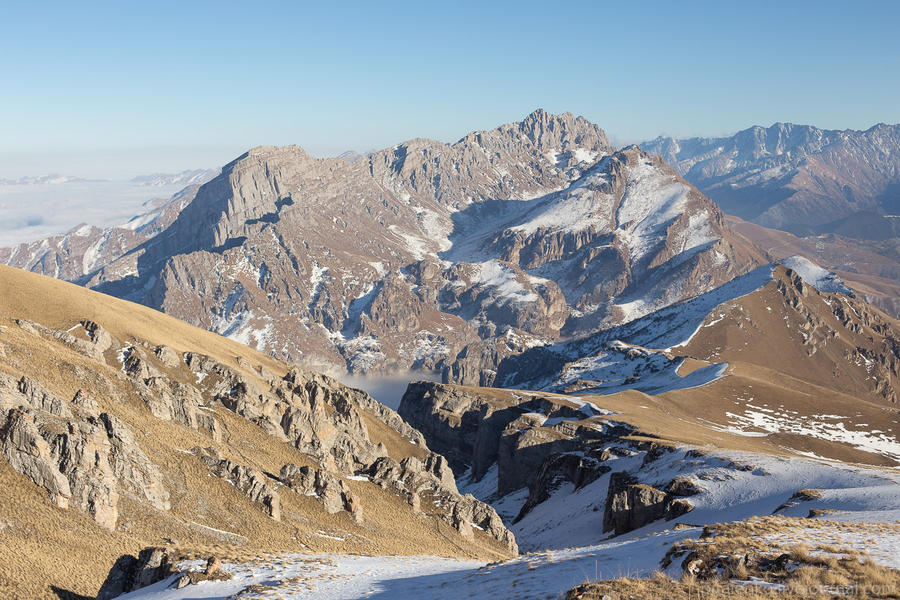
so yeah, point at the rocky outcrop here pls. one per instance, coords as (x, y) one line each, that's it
(248, 481)
(130, 573)
(334, 493)
(94, 342)
(30, 393)
(70, 459)
(476, 429)
(449, 418)
(83, 459)
(29, 453)
(631, 505)
(131, 466)
(557, 469)
(167, 398)
(415, 480)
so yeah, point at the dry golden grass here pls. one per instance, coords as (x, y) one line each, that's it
(738, 552)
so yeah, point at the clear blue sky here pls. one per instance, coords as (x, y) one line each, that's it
(120, 88)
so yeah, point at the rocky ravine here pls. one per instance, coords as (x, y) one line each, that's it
(540, 443)
(427, 255)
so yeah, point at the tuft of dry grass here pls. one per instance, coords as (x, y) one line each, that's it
(742, 560)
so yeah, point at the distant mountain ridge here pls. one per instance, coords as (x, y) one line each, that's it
(793, 177)
(185, 178)
(51, 179)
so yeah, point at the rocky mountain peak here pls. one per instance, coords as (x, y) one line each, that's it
(432, 255)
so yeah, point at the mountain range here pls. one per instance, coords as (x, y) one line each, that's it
(632, 379)
(422, 254)
(795, 177)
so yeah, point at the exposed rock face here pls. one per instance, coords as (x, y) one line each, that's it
(250, 482)
(793, 177)
(28, 453)
(167, 398)
(334, 493)
(450, 419)
(432, 256)
(845, 333)
(134, 572)
(82, 457)
(541, 443)
(131, 466)
(32, 394)
(476, 430)
(415, 479)
(631, 505)
(323, 419)
(557, 469)
(70, 459)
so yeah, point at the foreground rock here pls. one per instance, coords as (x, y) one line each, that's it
(631, 505)
(134, 572)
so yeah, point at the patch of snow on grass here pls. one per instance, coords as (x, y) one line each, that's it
(873, 441)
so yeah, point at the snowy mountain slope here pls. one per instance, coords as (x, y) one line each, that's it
(572, 516)
(648, 353)
(347, 577)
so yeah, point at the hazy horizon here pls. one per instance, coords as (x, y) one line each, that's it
(112, 91)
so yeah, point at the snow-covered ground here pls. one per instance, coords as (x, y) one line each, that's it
(568, 529)
(346, 576)
(736, 485)
(631, 356)
(759, 420)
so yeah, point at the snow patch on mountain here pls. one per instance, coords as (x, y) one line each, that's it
(753, 419)
(502, 280)
(821, 279)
